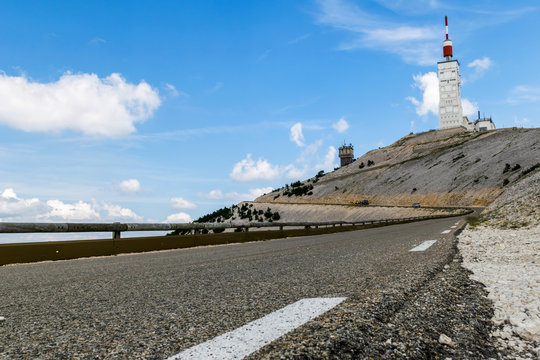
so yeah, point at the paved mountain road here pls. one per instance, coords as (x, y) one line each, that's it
(155, 305)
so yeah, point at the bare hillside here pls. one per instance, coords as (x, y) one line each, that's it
(437, 168)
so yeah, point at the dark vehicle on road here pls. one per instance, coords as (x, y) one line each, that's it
(415, 205)
(364, 202)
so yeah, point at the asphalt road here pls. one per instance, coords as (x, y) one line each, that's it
(155, 305)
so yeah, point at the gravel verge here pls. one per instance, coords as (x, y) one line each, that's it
(437, 312)
(502, 249)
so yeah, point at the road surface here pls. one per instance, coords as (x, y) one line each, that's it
(162, 304)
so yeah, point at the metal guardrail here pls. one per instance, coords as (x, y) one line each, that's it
(117, 228)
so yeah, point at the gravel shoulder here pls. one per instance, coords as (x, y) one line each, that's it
(502, 249)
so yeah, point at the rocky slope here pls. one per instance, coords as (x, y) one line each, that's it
(450, 167)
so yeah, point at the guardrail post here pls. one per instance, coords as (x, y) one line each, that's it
(247, 228)
(116, 233)
(281, 227)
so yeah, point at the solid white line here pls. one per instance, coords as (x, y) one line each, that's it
(453, 227)
(445, 232)
(423, 246)
(249, 338)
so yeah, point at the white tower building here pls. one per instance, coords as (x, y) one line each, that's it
(450, 110)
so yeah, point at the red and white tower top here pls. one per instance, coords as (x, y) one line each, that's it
(447, 44)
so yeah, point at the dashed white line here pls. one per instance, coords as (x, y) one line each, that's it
(445, 232)
(453, 227)
(424, 246)
(249, 338)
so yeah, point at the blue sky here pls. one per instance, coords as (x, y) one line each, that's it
(143, 111)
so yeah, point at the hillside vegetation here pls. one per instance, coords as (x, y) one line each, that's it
(452, 167)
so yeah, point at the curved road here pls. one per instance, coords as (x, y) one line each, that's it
(156, 305)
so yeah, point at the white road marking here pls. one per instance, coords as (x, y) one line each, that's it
(453, 227)
(456, 223)
(445, 232)
(423, 246)
(249, 338)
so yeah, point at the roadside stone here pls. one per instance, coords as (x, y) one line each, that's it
(444, 339)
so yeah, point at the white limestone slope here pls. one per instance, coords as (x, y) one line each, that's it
(503, 253)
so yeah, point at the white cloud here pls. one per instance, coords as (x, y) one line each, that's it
(9, 194)
(80, 102)
(252, 194)
(293, 172)
(16, 209)
(249, 170)
(296, 134)
(180, 203)
(180, 217)
(479, 66)
(76, 211)
(328, 163)
(524, 94)
(428, 83)
(341, 126)
(12, 207)
(414, 44)
(130, 186)
(469, 108)
(118, 212)
(213, 194)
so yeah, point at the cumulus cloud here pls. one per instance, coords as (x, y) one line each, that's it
(296, 134)
(341, 126)
(292, 172)
(85, 103)
(12, 207)
(469, 108)
(428, 83)
(180, 217)
(252, 194)
(76, 211)
(180, 203)
(121, 213)
(15, 208)
(328, 163)
(130, 186)
(249, 170)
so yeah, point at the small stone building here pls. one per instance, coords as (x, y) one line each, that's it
(346, 154)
